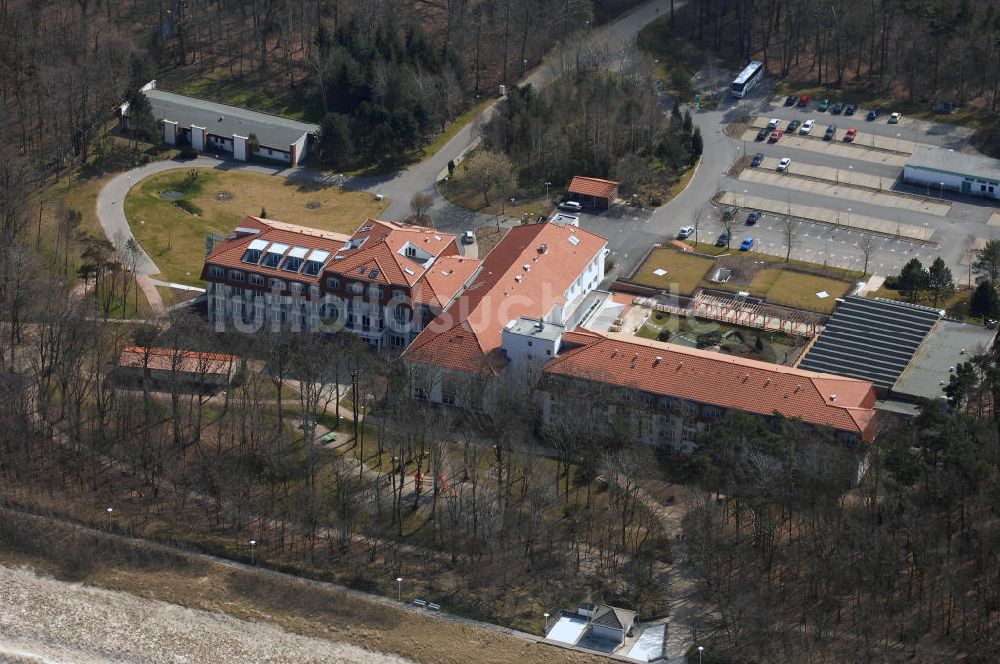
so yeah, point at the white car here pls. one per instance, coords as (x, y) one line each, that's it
(783, 164)
(773, 124)
(685, 232)
(571, 206)
(894, 118)
(468, 237)
(807, 127)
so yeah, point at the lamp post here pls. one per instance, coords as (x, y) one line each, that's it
(547, 185)
(399, 589)
(110, 511)
(253, 558)
(942, 188)
(545, 631)
(701, 649)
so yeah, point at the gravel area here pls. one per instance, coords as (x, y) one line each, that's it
(45, 620)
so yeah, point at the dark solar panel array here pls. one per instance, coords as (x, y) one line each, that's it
(870, 339)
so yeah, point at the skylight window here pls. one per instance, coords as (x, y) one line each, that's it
(574, 240)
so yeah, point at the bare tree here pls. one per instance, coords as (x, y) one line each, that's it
(696, 221)
(420, 204)
(789, 232)
(867, 245)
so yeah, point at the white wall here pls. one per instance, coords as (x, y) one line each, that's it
(276, 155)
(301, 148)
(169, 132)
(198, 138)
(527, 353)
(239, 147)
(588, 280)
(952, 182)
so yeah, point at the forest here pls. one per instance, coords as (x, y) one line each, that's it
(913, 52)
(594, 122)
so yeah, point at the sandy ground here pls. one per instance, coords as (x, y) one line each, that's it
(44, 620)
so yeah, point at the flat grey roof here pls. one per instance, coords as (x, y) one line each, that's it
(949, 161)
(871, 339)
(948, 344)
(529, 327)
(272, 131)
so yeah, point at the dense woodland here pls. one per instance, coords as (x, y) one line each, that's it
(593, 122)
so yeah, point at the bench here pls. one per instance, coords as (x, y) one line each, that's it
(419, 602)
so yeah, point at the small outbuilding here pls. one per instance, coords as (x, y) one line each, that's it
(941, 169)
(593, 192)
(166, 369)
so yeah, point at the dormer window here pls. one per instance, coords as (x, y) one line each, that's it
(293, 263)
(314, 262)
(273, 255)
(254, 251)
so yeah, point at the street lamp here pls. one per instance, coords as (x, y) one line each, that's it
(253, 559)
(399, 589)
(700, 650)
(942, 189)
(545, 632)
(848, 216)
(110, 510)
(547, 185)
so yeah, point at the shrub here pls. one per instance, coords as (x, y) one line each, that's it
(664, 335)
(188, 206)
(187, 152)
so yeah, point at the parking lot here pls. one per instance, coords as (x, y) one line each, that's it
(837, 192)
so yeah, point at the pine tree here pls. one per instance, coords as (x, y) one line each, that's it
(984, 302)
(697, 144)
(940, 282)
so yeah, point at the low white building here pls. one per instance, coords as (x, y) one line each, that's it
(214, 128)
(941, 169)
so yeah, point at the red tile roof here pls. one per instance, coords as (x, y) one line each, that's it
(444, 280)
(379, 245)
(168, 359)
(593, 187)
(706, 377)
(466, 336)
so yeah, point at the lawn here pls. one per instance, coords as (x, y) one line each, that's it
(777, 283)
(685, 271)
(173, 232)
(798, 290)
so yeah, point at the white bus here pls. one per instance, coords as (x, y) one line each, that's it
(749, 77)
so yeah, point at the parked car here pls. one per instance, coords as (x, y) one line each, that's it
(753, 217)
(894, 118)
(783, 164)
(807, 127)
(823, 105)
(776, 135)
(773, 123)
(790, 100)
(729, 212)
(723, 240)
(793, 125)
(746, 244)
(804, 100)
(851, 134)
(837, 108)
(873, 114)
(468, 237)
(685, 232)
(570, 206)
(850, 109)
(831, 131)
(762, 134)
(757, 160)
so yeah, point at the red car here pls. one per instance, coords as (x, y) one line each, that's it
(776, 135)
(851, 134)
(804, 100)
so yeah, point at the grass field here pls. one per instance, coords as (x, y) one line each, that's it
(173, 232)
(683, 269)
(777, 283)
(798, 290)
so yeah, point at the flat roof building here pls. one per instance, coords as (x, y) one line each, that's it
(211, 127)
(947, 170)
